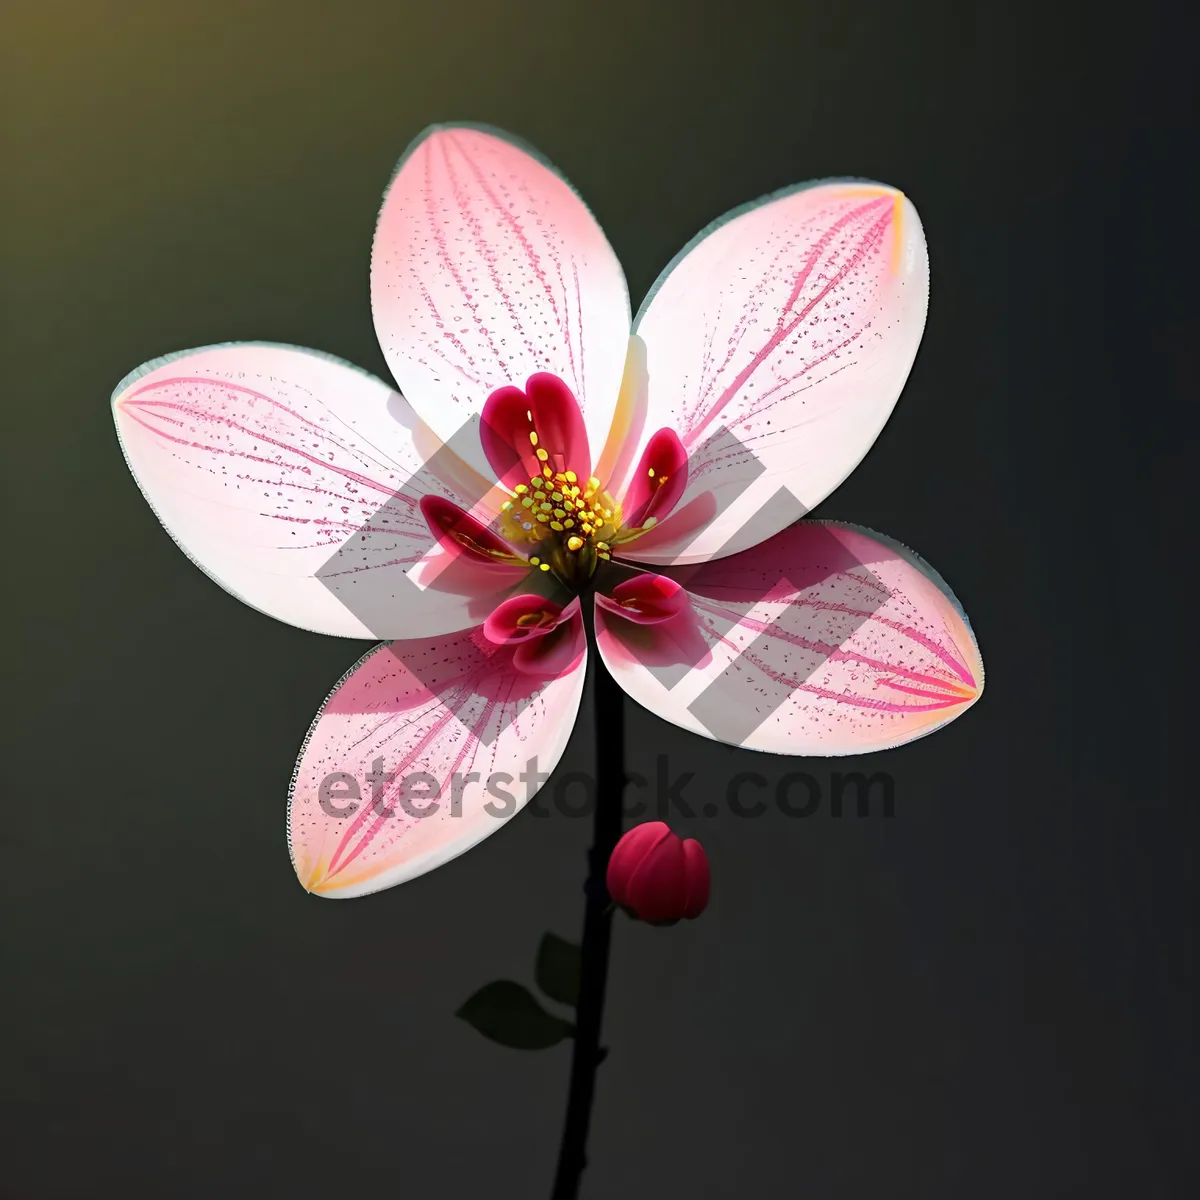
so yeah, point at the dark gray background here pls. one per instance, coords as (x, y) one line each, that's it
(988, 995)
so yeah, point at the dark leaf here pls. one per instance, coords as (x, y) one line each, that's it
(507, 1013)
(557, 970)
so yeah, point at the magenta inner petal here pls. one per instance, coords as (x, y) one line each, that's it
(557, 650)
(520, 618)
(658, 482)
(517, 424)
(459, 533)
(645, 599)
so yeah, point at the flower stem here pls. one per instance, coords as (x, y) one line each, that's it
(609, 720)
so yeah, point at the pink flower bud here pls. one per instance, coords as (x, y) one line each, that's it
(656, 877)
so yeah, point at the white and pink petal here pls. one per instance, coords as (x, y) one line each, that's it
(825, 640)
(424, 749)
(295, 481)
(777, 344)
(487, 269)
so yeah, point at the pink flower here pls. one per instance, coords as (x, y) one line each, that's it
(541, 455)
(657, 877)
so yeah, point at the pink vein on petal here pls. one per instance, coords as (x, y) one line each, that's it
(872, 238)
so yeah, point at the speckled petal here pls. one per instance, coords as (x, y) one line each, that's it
(294, 480)
(486, 269)
(825, 640)
(419, 754)
(777, 344)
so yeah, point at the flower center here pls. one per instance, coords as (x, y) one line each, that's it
(567, 524)
(573, 523)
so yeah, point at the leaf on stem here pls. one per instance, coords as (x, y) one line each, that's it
(557, 969)
(507, 1013)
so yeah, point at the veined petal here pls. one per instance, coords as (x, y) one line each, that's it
(777, 345)
(487, 268)
(423, 749)
(825, 640)
(294, 480)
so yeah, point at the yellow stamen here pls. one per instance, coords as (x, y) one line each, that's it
(533, 440)
(574, 543)
(543, 455)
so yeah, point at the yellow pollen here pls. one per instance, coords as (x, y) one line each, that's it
(569, 524)
(593, 484)
(544, 567)
(650, 472)
(543, 455)
(533, 440)
(574, 543)
(543, 518)
(602, 554)
(556, 526)
(571, 477)
(599, 546)
(528, 414)
(527, 503)
(546, 506)
(506, 506)
(521, 488)
(535, 560)
(546, 470)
